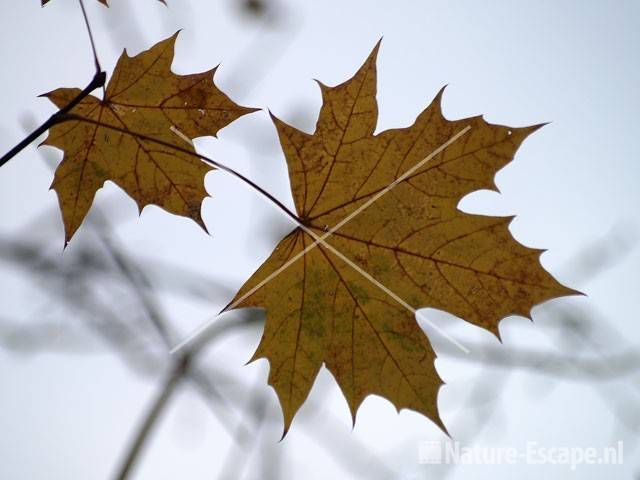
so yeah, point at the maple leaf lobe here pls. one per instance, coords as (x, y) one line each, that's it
(143, 97)
(413, 240)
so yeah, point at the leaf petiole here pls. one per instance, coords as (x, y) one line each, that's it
(72, 117)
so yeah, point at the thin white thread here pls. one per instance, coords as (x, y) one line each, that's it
(318, 240)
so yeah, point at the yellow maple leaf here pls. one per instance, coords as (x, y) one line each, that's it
(350, 301)
(143, 96)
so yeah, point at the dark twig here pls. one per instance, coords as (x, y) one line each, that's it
(93, 43)
(98, 81)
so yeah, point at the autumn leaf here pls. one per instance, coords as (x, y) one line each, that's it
(413, 240)
(144, 96)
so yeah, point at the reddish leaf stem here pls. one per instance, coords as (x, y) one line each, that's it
(207, 160)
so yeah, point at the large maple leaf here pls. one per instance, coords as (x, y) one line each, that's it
(415, 246)
(145, 97)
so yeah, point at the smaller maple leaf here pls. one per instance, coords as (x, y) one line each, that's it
(145, 97)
